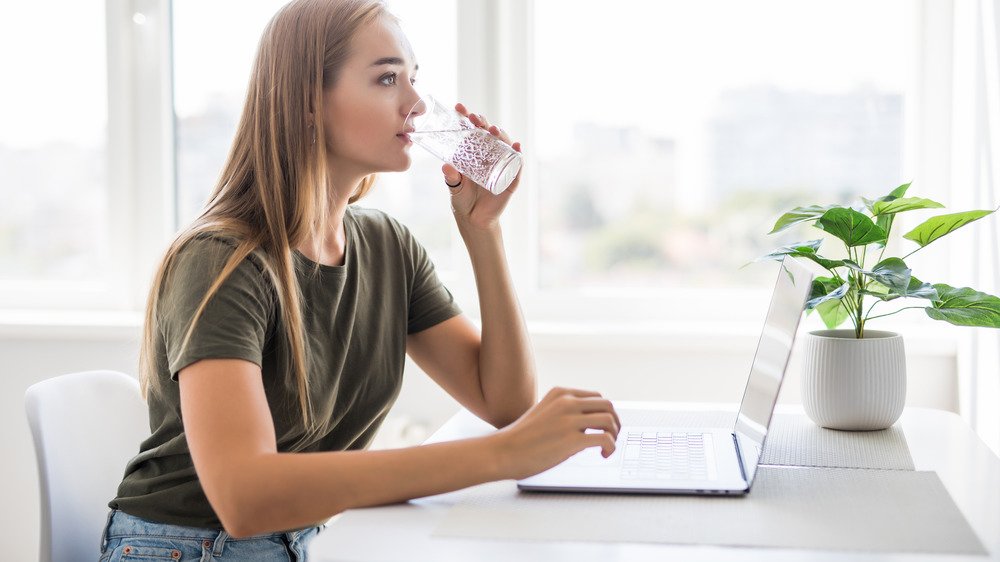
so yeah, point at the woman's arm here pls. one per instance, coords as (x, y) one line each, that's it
(495, 372)
(506, 362)
(492, 374)
(254, 489)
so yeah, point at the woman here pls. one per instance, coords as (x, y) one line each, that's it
(278, 322)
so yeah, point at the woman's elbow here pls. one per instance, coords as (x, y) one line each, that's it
(502, 420)
(238, 519)
(234, 501)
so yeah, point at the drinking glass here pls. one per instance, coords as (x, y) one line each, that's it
(451, 136)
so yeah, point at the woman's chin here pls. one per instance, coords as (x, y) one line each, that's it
(403, 164)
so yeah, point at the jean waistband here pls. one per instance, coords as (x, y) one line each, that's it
(121, 524)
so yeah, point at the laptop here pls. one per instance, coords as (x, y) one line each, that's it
(710, 461)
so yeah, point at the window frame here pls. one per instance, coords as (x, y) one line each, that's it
(140, 189)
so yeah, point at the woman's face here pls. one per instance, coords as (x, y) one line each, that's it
(365, 110)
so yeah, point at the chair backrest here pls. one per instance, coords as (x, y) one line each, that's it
(86, 427)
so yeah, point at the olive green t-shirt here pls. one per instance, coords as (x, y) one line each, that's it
(356, 317)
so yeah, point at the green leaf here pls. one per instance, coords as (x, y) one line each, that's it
(891, 272)
(823, 262)
(833, 312)
(821, 292)
(893, 195)
(800, 214)
(854, 228)
(879, 291)
(906, 204)
(805, 249)
(796, 249)
(884, 221)
(965, 307)
(831, 306)
(936, 227)
(876, 288)
(851, 264)
(917, 289)
(810, 253)
(824, 285)
(899, 191)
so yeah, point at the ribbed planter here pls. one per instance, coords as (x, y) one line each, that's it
(853, 384)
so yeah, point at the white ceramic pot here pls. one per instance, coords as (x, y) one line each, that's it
(853, 384)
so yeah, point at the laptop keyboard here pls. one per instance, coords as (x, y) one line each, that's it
(668, 456)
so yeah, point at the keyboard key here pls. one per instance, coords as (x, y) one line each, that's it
(666, 456)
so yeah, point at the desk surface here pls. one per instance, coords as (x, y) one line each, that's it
(938, 441)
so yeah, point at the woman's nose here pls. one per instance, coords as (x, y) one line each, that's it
(416, 109)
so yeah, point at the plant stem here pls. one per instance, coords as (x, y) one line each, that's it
(870, 308)
(888, 229)
(859, 285)
(922, 247)
(895, 312)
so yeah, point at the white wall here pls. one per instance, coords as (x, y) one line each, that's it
(689, 364)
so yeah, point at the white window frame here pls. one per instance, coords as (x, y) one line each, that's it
(140, 188)
(143, 188)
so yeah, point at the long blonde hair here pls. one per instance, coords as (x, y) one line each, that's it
(272, 195)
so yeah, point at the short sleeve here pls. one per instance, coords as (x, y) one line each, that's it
(234, 324)
(430, 301)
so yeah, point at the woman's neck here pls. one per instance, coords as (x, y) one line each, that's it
(330, 246)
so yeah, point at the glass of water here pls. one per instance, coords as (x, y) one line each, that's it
(451, 136)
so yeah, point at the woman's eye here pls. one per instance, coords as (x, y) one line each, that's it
(390, 79)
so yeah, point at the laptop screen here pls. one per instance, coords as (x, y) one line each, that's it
(768, 369)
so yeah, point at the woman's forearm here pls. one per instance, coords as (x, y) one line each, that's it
(506, 363)
(282, 491)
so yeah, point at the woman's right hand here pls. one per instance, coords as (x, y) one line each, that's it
(554, 430)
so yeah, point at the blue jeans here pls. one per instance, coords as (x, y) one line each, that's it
(127, 537)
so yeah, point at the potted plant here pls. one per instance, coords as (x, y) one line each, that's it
(855, 379)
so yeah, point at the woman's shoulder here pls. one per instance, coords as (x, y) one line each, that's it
(207, 251)
(373, 221)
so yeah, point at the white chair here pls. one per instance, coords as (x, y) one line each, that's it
(86, 427)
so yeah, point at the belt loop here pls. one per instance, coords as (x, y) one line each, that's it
(291, 540)
(220, 542)
(107, 529)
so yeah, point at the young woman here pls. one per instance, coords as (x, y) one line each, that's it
(278, 321)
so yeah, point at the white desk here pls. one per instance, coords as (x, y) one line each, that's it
(938, 441)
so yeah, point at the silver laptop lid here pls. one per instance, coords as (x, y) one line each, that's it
(770, 361)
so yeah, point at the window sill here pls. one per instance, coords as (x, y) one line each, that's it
(926, 340)
(717, 337)
(70, 324)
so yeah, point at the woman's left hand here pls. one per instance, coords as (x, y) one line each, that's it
(473, 204)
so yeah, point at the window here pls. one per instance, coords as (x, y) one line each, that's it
(54, 221)
(670, 135)
(210, 83)
(657, 157)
